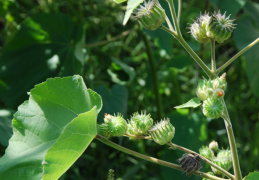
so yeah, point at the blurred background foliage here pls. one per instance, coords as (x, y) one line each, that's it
(132, 69)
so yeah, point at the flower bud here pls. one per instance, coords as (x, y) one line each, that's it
(206, 152)
(163, 132)
(117, 126)
(107, 117)
(220, 27)
(213, 108)
(214, 146)
(102, 129)
(224, 160)
(198, 28)
(151, 15)
(141, 123)
(220, 82)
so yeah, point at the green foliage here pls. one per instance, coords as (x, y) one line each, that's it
(252, 176)
(131, 5)
(195, 102)
(46, 45)
(5, 126)
(44, 137)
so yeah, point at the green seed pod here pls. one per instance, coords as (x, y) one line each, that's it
(220, 27)
(206, 152)
(214, 146)
(151, 15)
(117, 126)
(224, 160)
(198, 28)
(163, 132)
(211, 173)
(141, 123)
(102, 129)
(204, 89)
(213, 108)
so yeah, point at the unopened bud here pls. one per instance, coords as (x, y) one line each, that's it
(117, 126)
(213, 108)
(214, 146)
(206, 152)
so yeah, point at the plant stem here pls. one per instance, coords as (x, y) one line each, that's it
(213, 59)
(232, 143)
(173, 14)
(179, 11)
(170, 25)
(153, 74)
(175, 146)
(237, 55)
(152, 159)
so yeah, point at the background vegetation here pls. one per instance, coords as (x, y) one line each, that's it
(133, 70)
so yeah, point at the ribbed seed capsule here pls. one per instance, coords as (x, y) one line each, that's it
(163, 132)
(220, 27)
(206, 152)
(224, 160)
(204, 89)
(213, 108)
(117, 126)
(151, 15)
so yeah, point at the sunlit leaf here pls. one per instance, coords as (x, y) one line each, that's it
(132, 4)
(119, 1)
(195, 102)
(52, 128)
(252, 176)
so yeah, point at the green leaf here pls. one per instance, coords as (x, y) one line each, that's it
(45, 45)
(246, 32)
(231, 7)
(119, 1)
(58, 111)
(6, 129)
(252, 176)
(71, 144)
(195, 102)
(132, 4)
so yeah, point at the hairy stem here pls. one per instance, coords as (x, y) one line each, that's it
(173, 14)
(152, 159)
(153, 74)
(213, 59)
(175, 146)
(237, 55)
(232, 143)
(170, 25)
(179, 11)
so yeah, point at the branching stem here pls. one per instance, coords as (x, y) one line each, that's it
(152, 159)
(175, 146)
(213, 59)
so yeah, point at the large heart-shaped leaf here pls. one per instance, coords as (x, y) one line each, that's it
(45, 45)
(51, 130)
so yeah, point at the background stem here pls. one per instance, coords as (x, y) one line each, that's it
(153, 73)
(152, 159)
(213, 59)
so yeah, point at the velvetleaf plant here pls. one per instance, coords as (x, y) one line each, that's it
(49, 128)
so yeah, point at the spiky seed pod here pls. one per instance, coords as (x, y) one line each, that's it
(206, 152)
(151, 15)
(224, 160)
(162, 132)
(117, 126)
(102, 129)
(214, 146)
(220, 27)
(141, 123)
(190, 163)
(204, 89)
(211, 173)
(198, 28)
